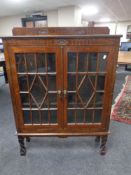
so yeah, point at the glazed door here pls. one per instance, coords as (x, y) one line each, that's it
(38, 88)
(86, 71)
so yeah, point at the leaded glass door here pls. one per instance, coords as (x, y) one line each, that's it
(39, 86)
(85, 73)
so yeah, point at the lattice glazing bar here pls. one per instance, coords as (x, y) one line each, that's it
(95, 87)
(46, 68)
(28, 86)
(77, 59)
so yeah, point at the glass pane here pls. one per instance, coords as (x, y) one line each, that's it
(80, 116)
(92, 102)
(83, 62)
(80, 78)
(31, 78)
(100, 82)
(52, 100)
(23, 83)
(102, 62)
(35, 117)
(89, 115)
(85, 90)
(20, 62)
(44, 117)
(92, 79)
(71, 82)
(51, 62)
(71, 62)
(45, 102)
(53, 116)
(51, 82)
(41, 62)
(33, 102)
(31, 62)
(43, 80)
(70, 116)
(71, 100)
(26, 117)
(92, 62)
(38, 90)
(97, 116)
(25, 100)
(99, 99)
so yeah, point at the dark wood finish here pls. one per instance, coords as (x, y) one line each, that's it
(103, 145)
(60, 31)
(70, 114)
(22, 146)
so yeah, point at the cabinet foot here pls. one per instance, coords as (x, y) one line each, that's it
(103, 145)
(97, 139)
(22, 146)
(27, 139)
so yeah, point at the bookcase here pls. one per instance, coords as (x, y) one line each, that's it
(62, 85)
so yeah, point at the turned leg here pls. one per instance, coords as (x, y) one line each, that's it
(22, 146)
(97, 139)
(103, 145)
(27, 139)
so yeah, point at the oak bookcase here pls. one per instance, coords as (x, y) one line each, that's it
(61, 85)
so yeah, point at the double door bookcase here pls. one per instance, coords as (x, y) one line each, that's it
(61, 85)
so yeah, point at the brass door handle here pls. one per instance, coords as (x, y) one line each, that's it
(65, 93)
(59, 92)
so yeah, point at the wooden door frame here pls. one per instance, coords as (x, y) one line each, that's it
(108, 87)
(17, 102)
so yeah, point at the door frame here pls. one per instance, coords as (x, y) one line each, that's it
(21, 127)
(108, 89)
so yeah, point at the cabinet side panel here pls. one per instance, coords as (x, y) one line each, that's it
(11, 86)
(112, 73)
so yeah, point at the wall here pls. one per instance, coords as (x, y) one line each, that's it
(64, 16)
(78, 17)
(7, 24)
(69, 16)
(117, 28)
(52, 18)
(122, 29)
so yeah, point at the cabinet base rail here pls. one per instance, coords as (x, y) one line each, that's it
(63, 134)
